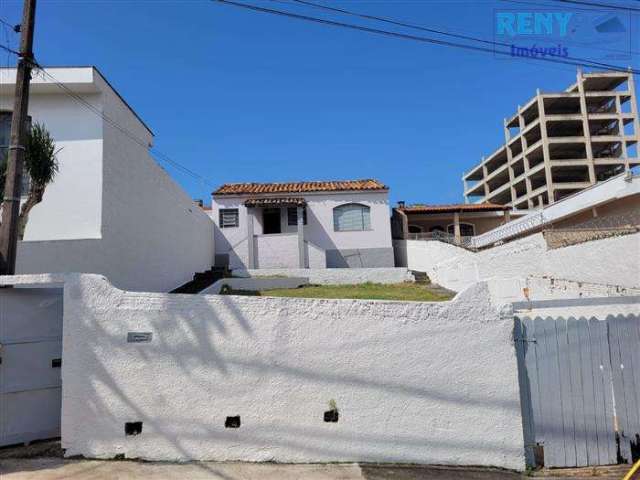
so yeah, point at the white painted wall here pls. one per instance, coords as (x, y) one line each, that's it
(72, 206)
(319, 229)
(405, 389)
(277, 251)
(611, 261)
(335, 276)
(111, 209)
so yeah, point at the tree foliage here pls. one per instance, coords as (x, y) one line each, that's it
(40, 165)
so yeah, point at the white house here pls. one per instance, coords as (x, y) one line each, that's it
(111, 209)
(303, 225)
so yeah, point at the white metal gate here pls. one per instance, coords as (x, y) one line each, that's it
(30, 361)
(580, 389)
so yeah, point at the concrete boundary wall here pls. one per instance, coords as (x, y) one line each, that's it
(416, 382)
(610, 261)
(254, 284)
(334, 276)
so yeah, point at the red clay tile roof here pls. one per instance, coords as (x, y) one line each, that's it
(299, 187)
(456, 207)
(275, 202)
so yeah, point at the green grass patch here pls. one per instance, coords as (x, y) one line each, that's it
(408, 291)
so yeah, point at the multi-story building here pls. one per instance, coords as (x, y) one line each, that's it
(559, 143)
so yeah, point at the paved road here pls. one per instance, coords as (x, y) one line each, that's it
(58, 469)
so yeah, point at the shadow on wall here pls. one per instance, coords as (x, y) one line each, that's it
(210, 358)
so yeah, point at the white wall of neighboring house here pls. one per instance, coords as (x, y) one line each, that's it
(372, 248)
(111, 209)
(610, 261)
(405, 389)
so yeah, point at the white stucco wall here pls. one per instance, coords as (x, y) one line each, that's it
(111, 209)
(413, 382)
(611, 261)
(72, 206)
(319, 229)
(277, 251)
(335, 276)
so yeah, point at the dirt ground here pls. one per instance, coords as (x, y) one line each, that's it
(43, 461)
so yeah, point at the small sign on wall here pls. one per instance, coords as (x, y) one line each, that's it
(139, 337)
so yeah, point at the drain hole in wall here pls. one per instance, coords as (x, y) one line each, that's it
(331, 416)
(232, 422)
(56, 363)
(133, 428)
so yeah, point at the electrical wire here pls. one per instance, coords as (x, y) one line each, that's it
(600, 5)
(564, 60)
(432, 30)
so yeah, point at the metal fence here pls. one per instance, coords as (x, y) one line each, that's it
(438, 236)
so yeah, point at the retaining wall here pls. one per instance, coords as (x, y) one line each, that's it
(334, 276)
(431, 383)
(611, 261)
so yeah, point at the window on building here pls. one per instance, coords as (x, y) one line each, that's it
(351, 217)
(292, 216)
(466, 229)
(415, 229)
(229, 218)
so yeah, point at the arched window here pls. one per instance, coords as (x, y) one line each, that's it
(351, 217)
(415, 229)
(466, 229)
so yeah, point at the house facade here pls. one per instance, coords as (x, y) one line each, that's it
(111, 209)
(340, 224)
(455, 223)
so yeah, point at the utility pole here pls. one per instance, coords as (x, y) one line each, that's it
(15, 158)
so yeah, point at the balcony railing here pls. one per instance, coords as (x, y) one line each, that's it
(438, 236)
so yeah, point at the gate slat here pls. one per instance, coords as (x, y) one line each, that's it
(621, 406)
(521, 344)
(628, 354)
(532, 366)
(591, 410)
(577, 391)
(562, 354)
(600, 341)
(554, 429)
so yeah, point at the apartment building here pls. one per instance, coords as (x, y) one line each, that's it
(560, 143)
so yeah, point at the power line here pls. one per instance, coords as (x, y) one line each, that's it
(565, 60)
(600, 5)
(398, 23)
(14, 28)
(155, 151)
(10, 50)
(426, 29)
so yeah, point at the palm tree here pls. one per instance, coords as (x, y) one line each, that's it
(40, 167)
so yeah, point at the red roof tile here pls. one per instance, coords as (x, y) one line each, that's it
(456, 207)
(299, 187)
(275, 202)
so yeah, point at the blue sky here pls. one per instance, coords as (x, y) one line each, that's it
(242, 96)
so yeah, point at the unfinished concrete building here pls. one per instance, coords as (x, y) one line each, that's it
(559, 143)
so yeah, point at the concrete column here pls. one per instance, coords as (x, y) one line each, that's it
(525, 159)
(545, 148)
(302, 263)
(585, 128)
(507, 137)
(485, 174)
(250, 239)
(621, 135)
(634, 108)
(456, 227)
(507, 216)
